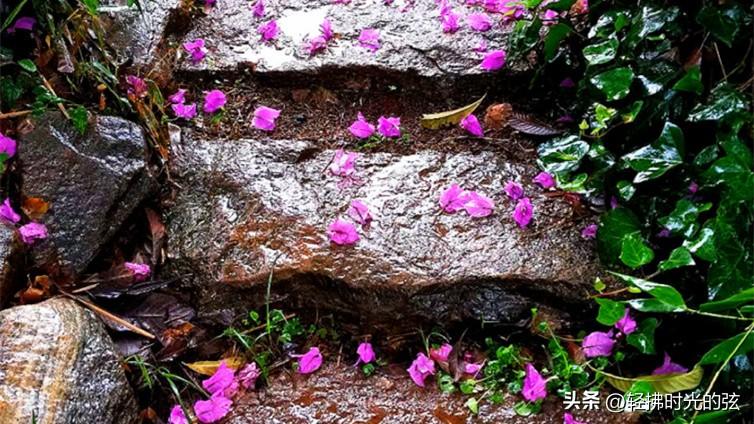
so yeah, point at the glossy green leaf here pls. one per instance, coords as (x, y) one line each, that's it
(679, 257)
(599, 53)
(654, 18)
(729, 303)
(555, 35)
(691, 82)
(79, 119)
(626, 190)
(10, 91)
(661, 292)
(614, 226)
(609, 23)
(724, 349)
(683, 219)
(615, 84)
(719, 21)
(703, 244)
(730, 172)
(27, 65)
(662, 155)
(635, 252)
(610, 311)
(724, 100)
(562, 155)
(643, 338)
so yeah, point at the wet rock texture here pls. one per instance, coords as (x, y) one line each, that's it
(338, 394)
(412, 38)
(92, 182)
(10, 260)
(57, 364)
(250, 207)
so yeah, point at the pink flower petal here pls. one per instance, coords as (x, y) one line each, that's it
(369, 39)
(178, 96)
(450, 21)
(222, 382)
(213, 100)
(212, 410)
(7, 213)
(669, 367)
(177, 416)
(258, 9)
(535, 386)
(140, 271)
(514, 190)
(25, 23)
(268, 31)
(310, 361)
(479, 22)
(479, 206)
(472, 126)
(195, 49)
(523, 212)
(442, 353)
(361, 128)
(343, 163)
(359, 212)
(184, 111)
(248, 375)
(366, 353)
(589, 232)
(326, 29)
(7, 146)
(598, 343)
(493, 60)
(32, 232)
(453, 199)
(626, 325)
(550, 17)
(420, 369)
(481, 46)
(389, 127)
(264, 118)
(315, 45)
(545, 180)
(137, 87)
(343, 233)
(568, 419)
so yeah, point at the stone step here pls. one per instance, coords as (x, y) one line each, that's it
(340, 394)
(247, 208)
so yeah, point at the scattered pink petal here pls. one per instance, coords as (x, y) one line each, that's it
(523, 212)
(32, 232)
(369, 39)
(268, 31)
(213, 100)
(366, 353)
(140, 271)
(511, 10)
(669, 367)
(359, 212)
(258, 9)
(693, 187)
(310, 361)
(442, 353)
(315, 45)
(589, 232)
(481, 46)
(550, 17)
(326, 29)
(493, 60)
(25, 23)
(453, 199)
(7, 146)
(213, 409)
(389, 127)
(196, 50)
(248, 375)
(613, 202)
(567, 83)
(184, 111)
(136, 86)
(361, 128)
(535, 386)
(479, 22)
(514, 190)
(264, 118)
(222, 382)
(450, 21)
(472, 126)
(179, 96)
(565, 119)
(598, 343)
(7, 213)
(581, 7)
(626, 325)
(479, 206)
(568, 419)
(177, 416)
(343, 163)
(420, 369)
(472, 369)
(343, 233)
(544, 180)
(664, 233)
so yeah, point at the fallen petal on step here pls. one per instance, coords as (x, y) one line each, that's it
(310, 361)
(343, 233)
(264, 118)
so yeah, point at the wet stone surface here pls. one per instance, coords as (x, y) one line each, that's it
(411, 34)
(58, 364)
(339, 394)
(92, 183)
(10, 262)
(248, 206)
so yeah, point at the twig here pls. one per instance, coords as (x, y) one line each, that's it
(14, 114)
(610, 293)
(720, 61)
(110, 316)
(49, 87)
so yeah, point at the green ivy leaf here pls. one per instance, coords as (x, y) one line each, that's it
(728, 303)
(10, 91)
(27, 65)
(654, 19)
(730, 172)
(626, 190)
(683, 219)
(643, 338)
(658, 158)
(473, 405)
(691, 82)
(724, 101)
(722, 350)
(634, 251)
(557, 33)
(663, 293)
(79, 119)
(615, 84)
(703, 245)
(562, 155)
(603, 52)
(610, 311)
(679, 257)
(614, 226)
(720, 22)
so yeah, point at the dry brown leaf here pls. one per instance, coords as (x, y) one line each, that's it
(497, 115)
(209, 367)
(434, 121)
(35, 207)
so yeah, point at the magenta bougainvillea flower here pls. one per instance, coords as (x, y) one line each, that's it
(185, 111)
(614, 202)
(626, 325)
(315, 45)
(343, 233)
(32, 232)
(472, 126)
(196, 50)
(343, 163)
(370, 39)
(514, 190)
(222, 382)
(258, 9)
(268, 30)
(568, 419)
(669, 367)
(264, 118)
(359, 212)
(361, 128)
(693, 187)
(310, 361)
(213, 100)
(511, 10)
(450, 21)
(453, 199)
(389, 127)
(544, 180)
(523, 212)
(481, 46)
(478, 205)
(213, 409)
(567, 83)
(598, 343)
(493, 60)
(550, 17)
(136, 86)
(248, 375)
(7, 213)
(420, 369)
(366, 353)
(442, 353)
(179, 96)
(25, 23)
(325, 28)
(664, 233)
(472, 369)
(140, 271)
(535, 386)
(7, 146)
(177, 416)
(479, 22)
(589, 232)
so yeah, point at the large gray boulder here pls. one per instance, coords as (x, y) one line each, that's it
(93, 182)
(249, 208)
(58, 366)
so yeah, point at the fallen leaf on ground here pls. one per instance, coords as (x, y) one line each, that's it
(209, 367)
(434, 121)
(35, 207)
(497, 115)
